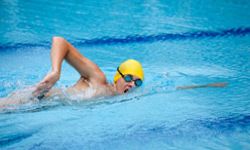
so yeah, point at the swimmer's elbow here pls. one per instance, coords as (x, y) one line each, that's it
(57, 38)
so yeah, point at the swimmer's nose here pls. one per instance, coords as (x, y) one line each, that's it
(131, 84)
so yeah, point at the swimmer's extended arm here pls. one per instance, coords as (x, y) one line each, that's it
(62, 49)
(220, 84)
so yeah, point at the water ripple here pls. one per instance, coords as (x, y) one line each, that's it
(220, 124)
(241, 31)
(14, 138)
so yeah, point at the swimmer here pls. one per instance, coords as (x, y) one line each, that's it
(129, 74)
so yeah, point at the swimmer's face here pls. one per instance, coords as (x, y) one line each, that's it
(122, 86)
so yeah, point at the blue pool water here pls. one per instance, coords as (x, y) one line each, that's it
(178, 43)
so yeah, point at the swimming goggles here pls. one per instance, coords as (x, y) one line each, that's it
(129, 78)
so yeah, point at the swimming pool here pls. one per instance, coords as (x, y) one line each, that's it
(177, 42)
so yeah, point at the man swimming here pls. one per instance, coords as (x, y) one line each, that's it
(128, 75)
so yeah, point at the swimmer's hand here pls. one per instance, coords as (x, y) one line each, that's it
(46, 84)
(219, 85)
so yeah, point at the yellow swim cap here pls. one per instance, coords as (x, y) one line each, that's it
(132, 67)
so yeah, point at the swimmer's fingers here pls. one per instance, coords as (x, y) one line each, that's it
(219, 84)
(222, 84)
(41, 89)
(46, 84)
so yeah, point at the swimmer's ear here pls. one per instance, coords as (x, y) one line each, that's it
(219, 85)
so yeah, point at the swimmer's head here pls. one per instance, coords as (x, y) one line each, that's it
(128, 74)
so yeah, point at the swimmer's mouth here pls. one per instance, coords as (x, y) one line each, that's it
(125, 91)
